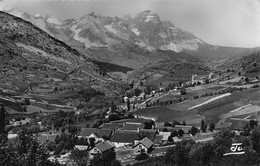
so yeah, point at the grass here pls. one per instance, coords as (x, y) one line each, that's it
(184, 106)
(108, 67)
(165, 114)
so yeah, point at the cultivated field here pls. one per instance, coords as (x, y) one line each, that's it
(215, 111)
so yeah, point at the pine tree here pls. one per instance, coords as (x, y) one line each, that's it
(2, 119)
(202, 126)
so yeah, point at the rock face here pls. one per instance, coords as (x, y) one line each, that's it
(162, 34)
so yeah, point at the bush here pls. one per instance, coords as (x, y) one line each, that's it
(167, 124)
(141, 156)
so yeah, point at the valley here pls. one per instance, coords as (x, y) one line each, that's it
(136, 85)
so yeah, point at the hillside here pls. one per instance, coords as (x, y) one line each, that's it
(168, 72)
(247, 63)
(33, 62)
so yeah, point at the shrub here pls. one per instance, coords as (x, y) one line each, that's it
(141, 156)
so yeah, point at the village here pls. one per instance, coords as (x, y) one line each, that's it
(132, 135)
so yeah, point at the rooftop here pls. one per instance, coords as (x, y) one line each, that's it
(238, 124)
(146, 142)
(104, 146)
(98, 132)
(124, 137)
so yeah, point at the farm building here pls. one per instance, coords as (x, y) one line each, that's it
(102, 148)
(145, 145)
(96, 133)
(122, 139)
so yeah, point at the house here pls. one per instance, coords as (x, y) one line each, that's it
(158, 140)
(47, 137)
(98, 134)
(81, 147)
(122, 139)
(129, 126)
(149, 133)
(142, 95)
(176, 139)
(238, 124)
(185, 128)
(198, 78)
(145, 145)
(112, 126)
(165, 136)
(102, 147)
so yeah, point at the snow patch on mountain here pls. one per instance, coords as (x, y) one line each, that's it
(37, 16)
(53, 20)
(136, 31)
(163, 35)
(171, 46)
(143, 44)
(149, 18)
(86, 41)
(172, 27)
(111, 29)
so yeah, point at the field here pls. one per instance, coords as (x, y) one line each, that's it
(212, 111)
(163, 114)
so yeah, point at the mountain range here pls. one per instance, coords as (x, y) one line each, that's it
(130, 41)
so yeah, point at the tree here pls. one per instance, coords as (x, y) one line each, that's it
(165, 130)
(179, 155)
(207, 81)
(128, 104)
(51, 146)
(194, 130)
(113, 107)
(80, 157)
(221, 143)
(183, 91)
(24, 151)
(201, 154)
(239, 73)
(175, 123)
(255, 138)
(203, 126)
(180, 133)
(113, 117)
(92, 142)
(27, 101)
(167, 124)
(149, 124)
(174, 133)
(212, 126)
(246, 79)
(252, 124)
(105, 159)
(141, 156)
(2, 119)
(73, 129)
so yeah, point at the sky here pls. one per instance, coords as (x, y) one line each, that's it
(233, 23)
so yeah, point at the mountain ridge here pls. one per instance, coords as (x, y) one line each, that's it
(130, 40)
